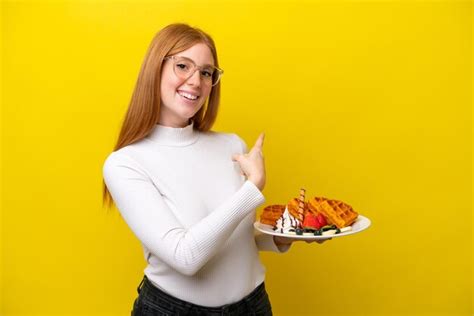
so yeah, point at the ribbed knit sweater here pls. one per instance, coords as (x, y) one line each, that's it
(186, 201)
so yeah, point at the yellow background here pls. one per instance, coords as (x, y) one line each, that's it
(368, 102)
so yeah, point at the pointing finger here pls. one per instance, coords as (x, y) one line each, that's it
(259, 142)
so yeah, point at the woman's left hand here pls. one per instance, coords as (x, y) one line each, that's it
(287, 241)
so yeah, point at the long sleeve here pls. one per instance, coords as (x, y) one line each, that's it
(145, 211)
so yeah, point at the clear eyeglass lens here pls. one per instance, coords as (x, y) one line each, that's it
(184, 68)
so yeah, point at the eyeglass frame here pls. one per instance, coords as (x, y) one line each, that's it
(196, 67)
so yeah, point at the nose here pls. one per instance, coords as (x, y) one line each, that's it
(195, 78)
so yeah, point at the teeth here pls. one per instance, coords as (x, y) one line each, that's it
(187, 95)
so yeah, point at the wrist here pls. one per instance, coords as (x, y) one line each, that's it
(259, 183)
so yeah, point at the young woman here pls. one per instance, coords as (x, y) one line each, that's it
(187, 193)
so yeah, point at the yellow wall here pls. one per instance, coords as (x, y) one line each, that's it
(368, 102)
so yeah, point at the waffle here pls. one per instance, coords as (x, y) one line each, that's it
(271, 213)
(336, 212)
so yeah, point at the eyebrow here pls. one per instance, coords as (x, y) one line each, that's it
(205, 65)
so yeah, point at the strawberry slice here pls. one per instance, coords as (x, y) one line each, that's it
(314, 221)
(321, 220)
(311, 221)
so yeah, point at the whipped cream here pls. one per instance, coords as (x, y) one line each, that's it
(286, 222)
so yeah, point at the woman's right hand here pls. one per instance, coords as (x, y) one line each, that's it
(252, 164)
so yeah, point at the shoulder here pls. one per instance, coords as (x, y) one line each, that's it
(121, 159)
(132, 154)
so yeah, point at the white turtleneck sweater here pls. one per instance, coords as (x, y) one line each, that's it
(184, 198)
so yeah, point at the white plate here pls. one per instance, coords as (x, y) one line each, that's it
(359, 225)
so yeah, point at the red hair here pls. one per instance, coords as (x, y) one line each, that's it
(144, 109)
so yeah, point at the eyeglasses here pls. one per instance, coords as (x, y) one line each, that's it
(184, 68)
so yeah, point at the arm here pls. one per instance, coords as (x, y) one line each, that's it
(150, 219)
(264, 242)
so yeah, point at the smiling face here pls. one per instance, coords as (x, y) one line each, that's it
(181, 99)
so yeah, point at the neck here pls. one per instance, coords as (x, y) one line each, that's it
(174, 124)
(174, 136)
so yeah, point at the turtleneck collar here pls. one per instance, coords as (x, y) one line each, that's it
(174, 136)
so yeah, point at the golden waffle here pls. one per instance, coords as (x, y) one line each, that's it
(271, 214)
(336, 212)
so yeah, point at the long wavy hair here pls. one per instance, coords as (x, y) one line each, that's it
(143, 112)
